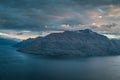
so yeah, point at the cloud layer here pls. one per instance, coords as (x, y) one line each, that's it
(57, 15)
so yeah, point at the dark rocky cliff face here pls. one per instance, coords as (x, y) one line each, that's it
(72, 43)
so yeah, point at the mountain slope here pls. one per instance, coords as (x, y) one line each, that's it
(72, 43)
(23, 43)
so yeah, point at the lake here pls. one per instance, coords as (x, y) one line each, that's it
(20, 66)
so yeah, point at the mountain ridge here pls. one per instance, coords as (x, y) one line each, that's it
(72, 43)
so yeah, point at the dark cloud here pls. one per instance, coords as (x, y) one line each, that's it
(36, 14)
(97, 2)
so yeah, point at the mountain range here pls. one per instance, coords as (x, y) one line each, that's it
(81, 43)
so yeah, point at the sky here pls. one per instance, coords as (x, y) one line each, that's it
(22, 19)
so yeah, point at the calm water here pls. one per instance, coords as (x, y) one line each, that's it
(19, 66)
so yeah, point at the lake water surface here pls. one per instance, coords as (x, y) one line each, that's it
(20, 66)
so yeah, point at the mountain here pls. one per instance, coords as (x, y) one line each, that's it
(116, 42)
(23, 43)
(72, 43)
(5, 41)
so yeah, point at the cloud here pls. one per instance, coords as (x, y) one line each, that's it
(59, 15)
